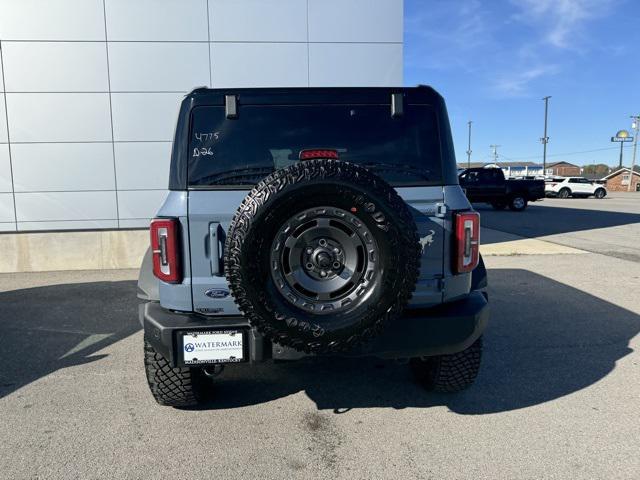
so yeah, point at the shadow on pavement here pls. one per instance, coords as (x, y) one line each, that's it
(44, 329)
(545, 340)
(540, 221)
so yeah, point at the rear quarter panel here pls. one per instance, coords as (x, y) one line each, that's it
(177, 296)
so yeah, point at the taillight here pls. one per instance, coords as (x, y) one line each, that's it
(467, 226)
(165, 246)
(317, 153)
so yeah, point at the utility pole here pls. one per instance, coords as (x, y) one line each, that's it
(635, 125)
(495, 152)
(545, 138)
(469, 146)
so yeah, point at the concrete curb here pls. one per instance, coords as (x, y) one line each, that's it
(50, 251)
(495, 242)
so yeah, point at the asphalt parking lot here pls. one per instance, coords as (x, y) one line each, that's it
(610, 226)
(557, 396)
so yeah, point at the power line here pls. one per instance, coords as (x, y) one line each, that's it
(533, 157)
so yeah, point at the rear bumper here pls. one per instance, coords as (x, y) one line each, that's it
(445, 329)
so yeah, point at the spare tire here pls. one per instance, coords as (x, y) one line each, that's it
(321, 254)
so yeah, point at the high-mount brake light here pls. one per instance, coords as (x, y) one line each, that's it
(165, 246)
(318, 153)
(467, 228)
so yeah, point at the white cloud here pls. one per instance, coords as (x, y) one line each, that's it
(516, 82)
(562, 21)
(505, 47)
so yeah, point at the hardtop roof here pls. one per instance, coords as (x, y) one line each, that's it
(313, 95)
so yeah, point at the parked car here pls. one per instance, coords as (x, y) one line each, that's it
(324, 221)
(488, 185)
(574, 187)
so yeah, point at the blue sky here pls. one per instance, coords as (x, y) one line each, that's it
(494, 60)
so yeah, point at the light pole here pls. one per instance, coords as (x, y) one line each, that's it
(635, 125)
(545, 138)
(469, 146)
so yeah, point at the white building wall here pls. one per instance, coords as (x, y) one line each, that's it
(89, 89)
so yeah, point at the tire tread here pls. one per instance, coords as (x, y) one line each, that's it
(172, 386)
(320, 169)
(449, 373)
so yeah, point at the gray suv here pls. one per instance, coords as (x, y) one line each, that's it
(311, 221)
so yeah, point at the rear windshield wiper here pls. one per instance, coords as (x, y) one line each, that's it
(244, 176)
(399, 167)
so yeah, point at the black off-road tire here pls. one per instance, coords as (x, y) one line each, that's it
(449, 373)
(309, 186)
(175, 387)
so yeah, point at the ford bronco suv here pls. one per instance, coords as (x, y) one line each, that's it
(311, 221)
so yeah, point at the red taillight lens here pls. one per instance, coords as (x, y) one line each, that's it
(311, 154)
(467, 227)
(165, 246)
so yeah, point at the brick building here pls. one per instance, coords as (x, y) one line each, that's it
(562, 169)
(618, 181)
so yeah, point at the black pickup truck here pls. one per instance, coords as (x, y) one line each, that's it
(488, 185)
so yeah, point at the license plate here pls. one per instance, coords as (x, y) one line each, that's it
(213, 347)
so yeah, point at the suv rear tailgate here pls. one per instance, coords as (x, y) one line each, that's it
(211, 211)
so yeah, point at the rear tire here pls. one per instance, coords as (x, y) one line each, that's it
(600, 193)
(449, 373)
(517, 203)
(564, 193)
(175, 387)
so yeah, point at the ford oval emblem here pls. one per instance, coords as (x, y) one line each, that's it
(217, 293)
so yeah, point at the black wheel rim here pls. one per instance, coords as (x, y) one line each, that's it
(323, 260)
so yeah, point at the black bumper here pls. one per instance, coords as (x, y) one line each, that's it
(444, 329)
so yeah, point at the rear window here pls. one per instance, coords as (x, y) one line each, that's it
(405, 151)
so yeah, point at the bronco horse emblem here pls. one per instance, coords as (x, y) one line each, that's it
(427, 240)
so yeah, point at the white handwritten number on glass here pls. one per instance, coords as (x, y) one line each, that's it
(202, 151)
(203, 137)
